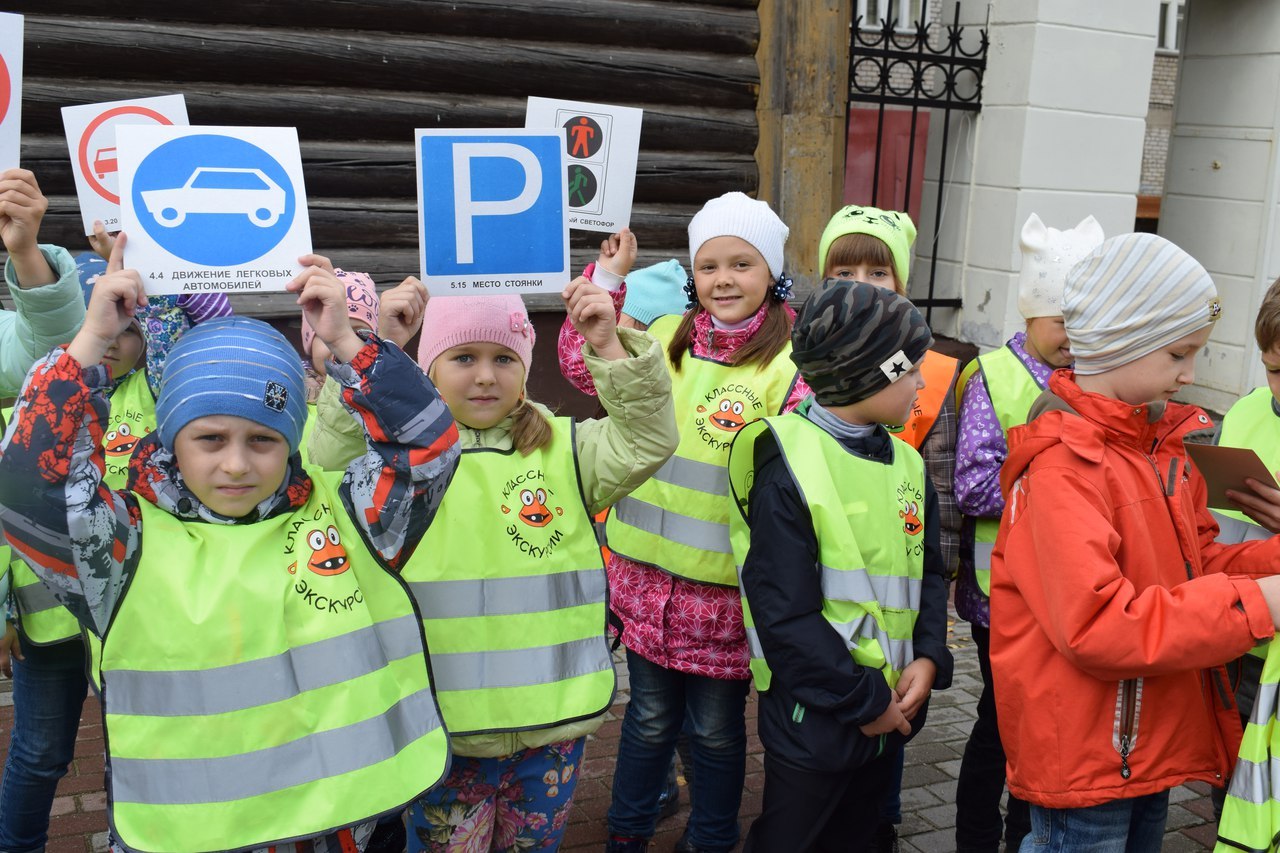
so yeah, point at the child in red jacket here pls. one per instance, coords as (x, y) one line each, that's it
(1113, 608)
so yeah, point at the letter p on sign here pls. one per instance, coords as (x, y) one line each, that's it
(492, 208)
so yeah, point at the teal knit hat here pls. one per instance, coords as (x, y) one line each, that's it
(656, 291)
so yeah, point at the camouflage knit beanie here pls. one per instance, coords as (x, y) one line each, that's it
(852, 339)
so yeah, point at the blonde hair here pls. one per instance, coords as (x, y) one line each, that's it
(1267, 327)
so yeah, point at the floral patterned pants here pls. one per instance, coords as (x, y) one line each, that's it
(514, 803)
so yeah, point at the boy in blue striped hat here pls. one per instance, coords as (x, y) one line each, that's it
(262, 671)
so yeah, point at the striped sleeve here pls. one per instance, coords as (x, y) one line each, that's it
(394, 489)
(202, 307)
(81, 539)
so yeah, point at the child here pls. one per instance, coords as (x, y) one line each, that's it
(1254, 422)
(672, 578)
(1115, 608)
(996, 391)
(845, 590)
(44, 639)
(509, 579)
(873, 245)
(269, 592)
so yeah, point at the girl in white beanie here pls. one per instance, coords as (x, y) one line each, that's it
(672, 578)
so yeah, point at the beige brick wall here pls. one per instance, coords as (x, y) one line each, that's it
(1164, 77)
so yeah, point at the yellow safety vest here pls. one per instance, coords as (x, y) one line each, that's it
(1251, 423)
(263, 683)
(512, 592)
(678, 520)
(41, 619)
(133, 415)
(1012, 390)
(1251, 813)
(870, 544)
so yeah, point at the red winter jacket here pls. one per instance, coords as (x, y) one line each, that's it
(1112, 608)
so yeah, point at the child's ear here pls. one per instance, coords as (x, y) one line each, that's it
(1035, 236)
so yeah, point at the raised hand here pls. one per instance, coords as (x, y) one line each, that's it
(116, 296)
(591, 311)
(618, 253)
(323, 299)
(400, 311)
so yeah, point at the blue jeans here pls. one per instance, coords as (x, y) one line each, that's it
(49, 688)
(662, 701)
(1122, 826)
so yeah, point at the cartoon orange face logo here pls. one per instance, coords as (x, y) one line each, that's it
(120, 441)
(328, 557)
(727, 416)
(534, 509)
(910, 518)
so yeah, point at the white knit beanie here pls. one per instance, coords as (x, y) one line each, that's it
(1047, 256)
(738, 215)
(1132, 295)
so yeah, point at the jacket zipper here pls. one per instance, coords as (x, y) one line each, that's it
(1127, 722)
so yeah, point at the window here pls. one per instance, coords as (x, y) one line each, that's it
(905, 13)
(1170, 34)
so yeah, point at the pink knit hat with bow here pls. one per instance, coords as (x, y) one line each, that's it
(362, 305)
(451, 321)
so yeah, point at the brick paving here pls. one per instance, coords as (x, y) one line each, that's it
(78, 824)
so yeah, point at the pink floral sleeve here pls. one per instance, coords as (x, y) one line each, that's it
(569, 347)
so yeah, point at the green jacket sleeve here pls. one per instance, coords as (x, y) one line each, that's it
(337, 438)
(620, 452)
(46, 316)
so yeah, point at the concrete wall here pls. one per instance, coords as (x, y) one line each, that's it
(1060, 134)
(1221, 184)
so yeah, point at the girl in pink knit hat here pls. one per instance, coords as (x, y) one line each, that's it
(509, 580)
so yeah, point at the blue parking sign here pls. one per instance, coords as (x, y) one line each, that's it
(492, 211)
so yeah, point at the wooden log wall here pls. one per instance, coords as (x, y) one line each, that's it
(356, 77)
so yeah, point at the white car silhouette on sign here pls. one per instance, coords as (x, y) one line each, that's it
(219, 190)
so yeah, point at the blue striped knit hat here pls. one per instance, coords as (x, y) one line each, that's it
(233, 366)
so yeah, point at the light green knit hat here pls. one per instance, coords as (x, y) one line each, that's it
(894, 229)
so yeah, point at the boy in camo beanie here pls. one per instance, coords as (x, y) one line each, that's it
(825, 498)
(852, 339)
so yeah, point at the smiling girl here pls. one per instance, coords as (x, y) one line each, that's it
(672, 577)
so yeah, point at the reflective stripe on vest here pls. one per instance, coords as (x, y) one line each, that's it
(133, 415)
(511, 587)
(295, 658)
(1251, 812)
(1013, 390)
(678, 520)
(940, 372)
(871, 545)
(41, 618)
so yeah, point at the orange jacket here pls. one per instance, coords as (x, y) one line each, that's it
(1112, 608)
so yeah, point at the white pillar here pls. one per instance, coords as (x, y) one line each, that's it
(1060, 134)
(1222, 181)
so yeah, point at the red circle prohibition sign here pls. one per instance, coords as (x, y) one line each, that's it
(83, 153)
(6, 89)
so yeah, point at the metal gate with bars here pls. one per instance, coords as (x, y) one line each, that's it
(908, 68)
